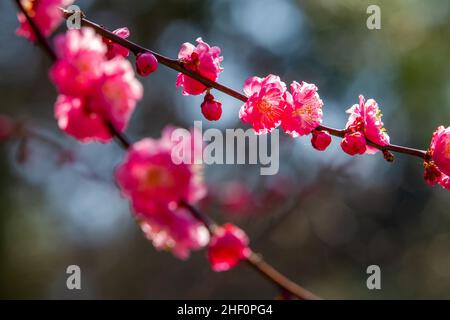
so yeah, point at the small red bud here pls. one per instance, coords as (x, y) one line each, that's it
(211, 109)
(146, 63)
(354, 143)
(320, 140)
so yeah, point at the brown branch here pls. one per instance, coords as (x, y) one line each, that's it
(254, 260)
(41, 40)
(257, 262)
(178, 66)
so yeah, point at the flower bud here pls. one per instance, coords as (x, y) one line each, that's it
(354, 143)
(146, 63)
(227, 248)
(211, 109)
(320, 140)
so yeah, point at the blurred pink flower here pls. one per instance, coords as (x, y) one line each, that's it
(365, 117)
(116, 93)
(114, 49)
(303, 112)
(95, 92)
(265, 105)
(228, 246)
(75, 119)
(150, 178)
(81, 54)
(202, 59)
(45, 14)
(156, 186)
(176, 231)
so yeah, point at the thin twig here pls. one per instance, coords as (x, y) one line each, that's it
(254, 260)
(39, 36)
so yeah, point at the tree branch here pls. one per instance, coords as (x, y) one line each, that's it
(178, 66)
(254, 260)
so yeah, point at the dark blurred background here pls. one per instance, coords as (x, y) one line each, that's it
(322, 220)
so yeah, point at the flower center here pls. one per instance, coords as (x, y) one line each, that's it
(111, 91)
(306, 113)
(267, 109)
(156, 176)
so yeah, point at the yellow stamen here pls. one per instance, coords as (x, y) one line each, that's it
(267, 109)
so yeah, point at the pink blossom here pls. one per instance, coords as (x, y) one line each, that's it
(45, 14)
(81, 54)
(76, 120)
(366, 118)
(440, 149)
(202, 59)
(211, 108)
(437, 170)
(156, 186)
(146, 64)
(228, 246)
(320, 140)
(354, 143)
(265, 104)
(152, 180)
(114, 49)
(116, 93)
(95, 92)
(303, 113)
(176, 231)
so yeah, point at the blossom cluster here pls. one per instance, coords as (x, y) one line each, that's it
(270, 105)
(156, 187)
(46, 14)
(158, 182)
(202, 59)
(98, 92)
(96, 84)
(364, 124)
